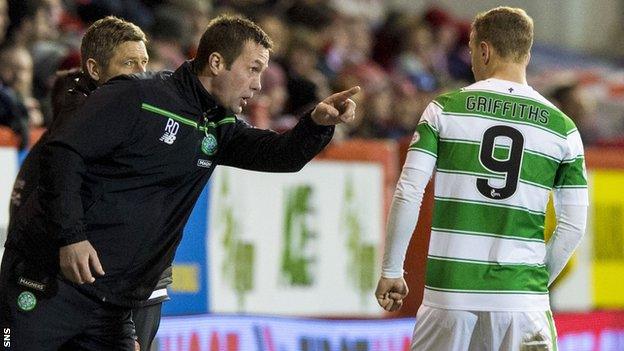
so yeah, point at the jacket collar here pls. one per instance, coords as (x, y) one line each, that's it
(195, 94)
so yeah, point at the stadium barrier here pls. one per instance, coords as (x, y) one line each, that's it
(596, 331)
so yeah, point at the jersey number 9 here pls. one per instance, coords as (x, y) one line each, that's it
(510, 167)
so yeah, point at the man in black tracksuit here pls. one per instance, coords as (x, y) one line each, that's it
(120, 179)
(70, 91)
(110, 47)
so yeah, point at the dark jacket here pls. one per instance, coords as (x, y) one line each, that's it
(70, 90)
(126, 171)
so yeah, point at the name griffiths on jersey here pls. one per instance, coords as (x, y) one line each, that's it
(507, 109)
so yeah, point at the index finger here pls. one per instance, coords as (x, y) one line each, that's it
(343, 95)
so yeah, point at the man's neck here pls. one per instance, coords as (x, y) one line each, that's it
(513, 72)
(206, 82)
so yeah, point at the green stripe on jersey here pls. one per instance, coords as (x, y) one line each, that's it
(507, 221)
(184, 120)
(463, 156)
(511, 108)
(485, 277)
(571, 174)
(427, 139)
(168, 114)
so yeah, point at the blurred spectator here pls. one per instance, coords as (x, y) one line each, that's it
(352, 44)
(576, 104)
(312, 14)
(197, 14)
(459, 64)
(156, 62)
(4, 20)
(266, 109)
(17, 69)
(32, 20)
(370, 11)
(378, 118)
(385, 48)
(90, 11)
(16, 105)
(170, 35)
(374, 118)
(302, 95)
(337, 45)
(34, 26)
(303, 62)
(16, 73)
(445, 34)
(13, 114)
(409, 104)
(276, 28)
(132, 10)
(416, 58)
(251, 8)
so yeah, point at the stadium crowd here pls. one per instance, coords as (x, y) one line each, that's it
(402, 60)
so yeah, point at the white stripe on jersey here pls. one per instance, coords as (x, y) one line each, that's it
(486, 302)
(486, 248)
(462, 186)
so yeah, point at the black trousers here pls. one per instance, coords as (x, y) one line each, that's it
(146, 322)
(60, 318)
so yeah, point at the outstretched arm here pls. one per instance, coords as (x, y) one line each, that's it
(268, 151)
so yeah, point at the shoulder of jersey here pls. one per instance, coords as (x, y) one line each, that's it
(443, 99)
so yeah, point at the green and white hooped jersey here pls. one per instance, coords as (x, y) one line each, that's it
(499, 148)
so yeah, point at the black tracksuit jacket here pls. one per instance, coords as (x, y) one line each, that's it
(126, 170)
(70, 91)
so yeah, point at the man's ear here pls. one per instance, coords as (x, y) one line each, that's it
(486, 52)
(216, 63)
(93, 69)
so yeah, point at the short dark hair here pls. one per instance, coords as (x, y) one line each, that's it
(227, 35)
(508, 29)
(103, 36)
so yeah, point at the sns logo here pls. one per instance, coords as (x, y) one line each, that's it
(171, 129)
(6, 342)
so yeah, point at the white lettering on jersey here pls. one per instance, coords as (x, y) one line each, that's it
(171, 129)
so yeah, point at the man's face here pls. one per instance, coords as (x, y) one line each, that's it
(235, 86)
(129, 57)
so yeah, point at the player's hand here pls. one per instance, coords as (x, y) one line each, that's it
(79, 262)
(335, 109)
(391, 292)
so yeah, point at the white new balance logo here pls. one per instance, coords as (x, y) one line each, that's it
(171, 129)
